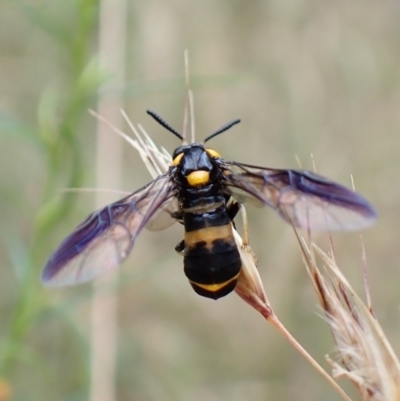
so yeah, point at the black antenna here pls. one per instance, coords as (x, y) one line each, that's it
(164, 124)
(222, 129)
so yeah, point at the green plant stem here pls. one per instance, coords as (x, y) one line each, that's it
(64, 151)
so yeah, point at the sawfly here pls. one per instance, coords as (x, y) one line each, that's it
(203, 192)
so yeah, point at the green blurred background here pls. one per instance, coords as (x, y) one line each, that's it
(305, 77)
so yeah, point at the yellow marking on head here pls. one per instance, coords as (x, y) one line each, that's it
(214, 287)
(212, 152)
(198, 177)
(177, 159)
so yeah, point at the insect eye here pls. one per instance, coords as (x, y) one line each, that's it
(212, 152)
(177, 159)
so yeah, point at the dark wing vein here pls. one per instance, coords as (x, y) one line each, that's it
(104, 240)
(301, 197)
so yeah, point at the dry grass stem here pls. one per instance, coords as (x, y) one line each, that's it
(250, 288)
(104, 328)
(365, 356)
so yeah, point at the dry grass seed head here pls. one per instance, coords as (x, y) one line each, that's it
(365, 356)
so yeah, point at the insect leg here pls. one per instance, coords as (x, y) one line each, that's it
(245, 243)
(180, 247)
(233, 209)
(245, 237)
(177, 216)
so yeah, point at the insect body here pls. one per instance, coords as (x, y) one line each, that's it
(211, 258)
(203, 192)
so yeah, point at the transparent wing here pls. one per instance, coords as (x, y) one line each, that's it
(301, 197)
(163, 217)
(103, 241)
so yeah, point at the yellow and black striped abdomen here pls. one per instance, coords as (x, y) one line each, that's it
(211, 258)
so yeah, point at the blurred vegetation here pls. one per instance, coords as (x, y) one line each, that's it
(304, 76)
